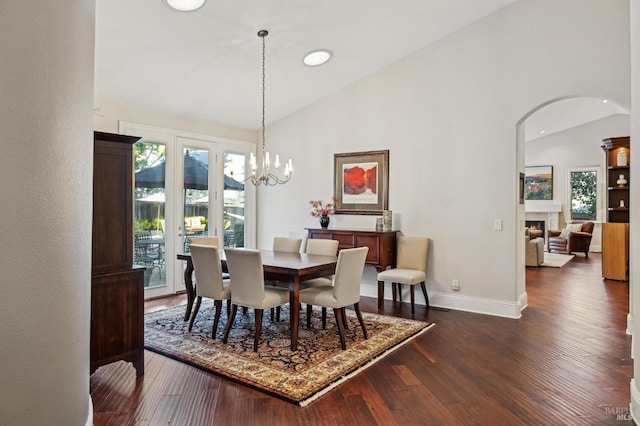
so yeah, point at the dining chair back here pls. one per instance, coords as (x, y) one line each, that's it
(411, 268)
(210, 282)
(344, 292)
(248, 289)
(323, 247)
(206, 241)
(286, 244)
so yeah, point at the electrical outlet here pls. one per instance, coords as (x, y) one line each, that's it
(497, 225)
(455, 285)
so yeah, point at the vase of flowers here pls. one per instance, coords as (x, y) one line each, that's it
(322, 210)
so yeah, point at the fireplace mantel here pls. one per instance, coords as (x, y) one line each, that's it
(549, 212)
(537, 207)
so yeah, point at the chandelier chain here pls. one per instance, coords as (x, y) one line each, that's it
(263, 92)
(264, 174)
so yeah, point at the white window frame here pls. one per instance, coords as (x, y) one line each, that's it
(600, 190)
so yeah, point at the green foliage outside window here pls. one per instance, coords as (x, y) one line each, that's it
(584, 195)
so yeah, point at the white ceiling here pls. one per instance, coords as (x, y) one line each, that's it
(568, 113)
(206, 64)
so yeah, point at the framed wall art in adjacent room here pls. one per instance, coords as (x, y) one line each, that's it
(538, 183)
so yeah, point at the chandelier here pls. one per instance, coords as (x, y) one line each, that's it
(267, 175)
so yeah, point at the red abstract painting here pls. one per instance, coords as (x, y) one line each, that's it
(357, 180)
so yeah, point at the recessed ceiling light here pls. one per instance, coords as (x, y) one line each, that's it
(185, 5)
(604, 101)
(317, 57)
(542, 132)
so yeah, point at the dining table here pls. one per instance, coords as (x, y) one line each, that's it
(291, 268)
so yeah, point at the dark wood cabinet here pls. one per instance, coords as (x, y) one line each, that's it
(117, 292)
(382, 244)
(615, 233)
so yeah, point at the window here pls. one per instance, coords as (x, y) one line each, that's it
(583, 187)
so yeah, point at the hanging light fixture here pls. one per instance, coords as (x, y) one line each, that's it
(267, 175)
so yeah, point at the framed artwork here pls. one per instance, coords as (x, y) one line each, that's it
(538, 183)
(361, 182)
(521, 188)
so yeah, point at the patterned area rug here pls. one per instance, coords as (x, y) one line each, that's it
(299, 377)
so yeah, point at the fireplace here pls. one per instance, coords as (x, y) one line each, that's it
(536, 224)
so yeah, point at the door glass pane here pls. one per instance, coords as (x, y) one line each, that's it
(234, 204)
(149, 211)
(583, 195)
(196, 194)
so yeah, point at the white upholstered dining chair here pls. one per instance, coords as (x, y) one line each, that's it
(206, 241)
(286, 244)
(344, 292)
(325, 248)
(410, 268)
(208, 271)
(248, 289)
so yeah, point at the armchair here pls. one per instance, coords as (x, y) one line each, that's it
(576, 237)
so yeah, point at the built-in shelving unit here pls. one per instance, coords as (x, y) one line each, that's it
(615, 232)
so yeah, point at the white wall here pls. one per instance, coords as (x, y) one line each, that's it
(634, 259)
(108, 114)
(574, 148)
(448, 115)
(46, 87)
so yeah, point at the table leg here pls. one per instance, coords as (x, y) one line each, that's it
(294, 309)
(188, 284)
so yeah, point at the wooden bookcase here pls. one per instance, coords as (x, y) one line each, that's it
(615, 232)
(117, 288)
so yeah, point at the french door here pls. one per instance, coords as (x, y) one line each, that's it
(185, 188)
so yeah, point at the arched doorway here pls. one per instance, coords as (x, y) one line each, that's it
(564, 135)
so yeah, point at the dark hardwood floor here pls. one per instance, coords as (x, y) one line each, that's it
(566, 361)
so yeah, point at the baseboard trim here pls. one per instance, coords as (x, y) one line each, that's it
(90, 413)
(634, 406)
(499, 308)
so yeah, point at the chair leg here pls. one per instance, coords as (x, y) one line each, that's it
(228, 307)
(338, 315)
(309, 310)
(273, 310)
(356, 307)
(413, 299)
(380, 294)
(232, 316)
(244, 310)
(216, 318)
(324, 318)
(278, 313)
(258, 315)
(196, 308)
(344, 319)
(424, 291)
(394, 293)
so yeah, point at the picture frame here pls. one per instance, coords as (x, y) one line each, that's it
(538, 183)
(361, 182)
(521, 188)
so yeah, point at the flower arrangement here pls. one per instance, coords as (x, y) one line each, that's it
(319, 208)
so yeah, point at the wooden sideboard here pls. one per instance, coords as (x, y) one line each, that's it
(382, 246)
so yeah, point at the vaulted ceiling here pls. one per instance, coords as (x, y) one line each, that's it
(206, 65)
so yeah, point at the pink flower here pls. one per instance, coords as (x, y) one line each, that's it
(319, 208)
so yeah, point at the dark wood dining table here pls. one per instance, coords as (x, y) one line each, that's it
(293, 268)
